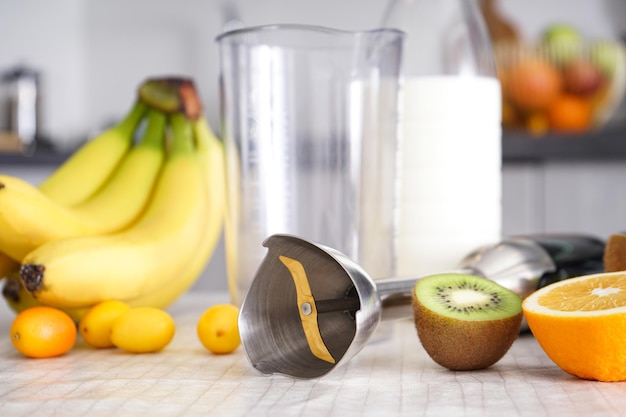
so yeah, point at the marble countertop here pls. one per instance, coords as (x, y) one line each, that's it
(391, 376)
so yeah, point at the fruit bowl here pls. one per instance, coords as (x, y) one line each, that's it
(562, 89)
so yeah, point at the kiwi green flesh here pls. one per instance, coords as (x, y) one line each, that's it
(455, 338)
(467, 297)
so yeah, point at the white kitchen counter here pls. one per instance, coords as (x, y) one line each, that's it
(392, 376)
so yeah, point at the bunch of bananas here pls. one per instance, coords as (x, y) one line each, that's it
(133, 215)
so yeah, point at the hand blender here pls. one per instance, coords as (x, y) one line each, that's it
(310, 308)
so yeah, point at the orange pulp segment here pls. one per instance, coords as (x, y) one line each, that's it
(592, 294)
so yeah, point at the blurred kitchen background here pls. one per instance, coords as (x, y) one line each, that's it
(91, 55)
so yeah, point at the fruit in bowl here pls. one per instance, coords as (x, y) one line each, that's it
(564, 40)
(563, 83)
(532, 84)
(582, 77)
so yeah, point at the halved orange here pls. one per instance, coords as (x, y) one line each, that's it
(580, 323)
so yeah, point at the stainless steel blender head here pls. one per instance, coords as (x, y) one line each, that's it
(310, 308)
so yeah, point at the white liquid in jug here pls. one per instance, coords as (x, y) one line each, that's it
(450, 171)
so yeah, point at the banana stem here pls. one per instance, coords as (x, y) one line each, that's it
(131, 121)
(154, 134)
(182, 140)
(171, 95)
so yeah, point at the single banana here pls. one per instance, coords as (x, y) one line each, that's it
(84, 172)
(81, 271)
(28, 218)
(211, 153)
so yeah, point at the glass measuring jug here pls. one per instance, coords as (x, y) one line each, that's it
(308, 119)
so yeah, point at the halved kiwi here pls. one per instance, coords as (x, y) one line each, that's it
(465, 322)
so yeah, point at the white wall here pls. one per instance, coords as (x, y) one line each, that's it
(93, 54)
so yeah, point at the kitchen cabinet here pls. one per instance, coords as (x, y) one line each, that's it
(31, 173)
(565, 183)
(583, 197)
(33, 167)
(601, 145)
(391, 376)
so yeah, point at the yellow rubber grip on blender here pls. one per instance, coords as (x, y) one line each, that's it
(309, 321)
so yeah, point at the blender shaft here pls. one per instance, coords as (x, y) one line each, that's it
(396, 297)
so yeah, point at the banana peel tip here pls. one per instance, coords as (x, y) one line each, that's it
(32, 276)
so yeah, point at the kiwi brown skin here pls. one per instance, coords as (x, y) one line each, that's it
(464, 345)
(615, 253)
